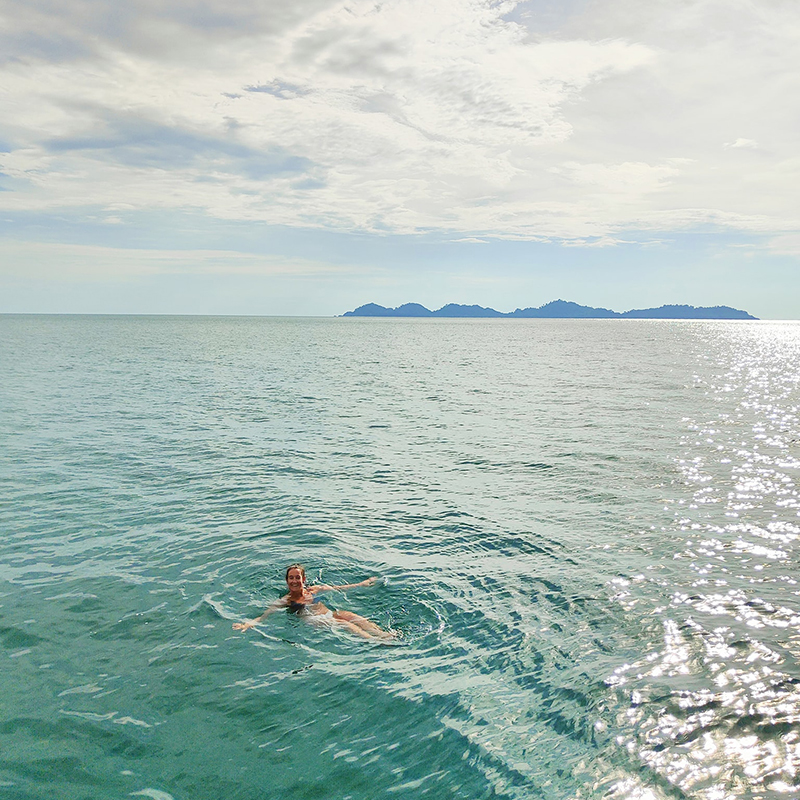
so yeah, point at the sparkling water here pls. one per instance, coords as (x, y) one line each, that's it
(586, 533)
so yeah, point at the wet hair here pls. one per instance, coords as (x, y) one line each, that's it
(296, 566)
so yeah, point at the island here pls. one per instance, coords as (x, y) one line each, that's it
(557, 309)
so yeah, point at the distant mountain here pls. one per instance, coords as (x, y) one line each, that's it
(563, 309)
(455, 310)
(406, 310)
(687, 312)
(557, 309)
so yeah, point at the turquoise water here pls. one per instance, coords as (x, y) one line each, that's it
(586, 532)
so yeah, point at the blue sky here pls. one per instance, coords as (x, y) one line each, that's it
(308, 157)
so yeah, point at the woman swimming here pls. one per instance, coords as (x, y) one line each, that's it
(301, 600)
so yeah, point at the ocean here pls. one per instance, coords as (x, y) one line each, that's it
(586, 534)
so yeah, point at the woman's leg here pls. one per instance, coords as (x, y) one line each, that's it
(342, 618)
(361, 625)
(352, 628)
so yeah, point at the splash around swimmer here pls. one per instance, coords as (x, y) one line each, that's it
(301, 599)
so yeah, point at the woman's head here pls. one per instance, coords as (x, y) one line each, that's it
(295, 576)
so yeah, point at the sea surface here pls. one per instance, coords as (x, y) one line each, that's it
(587, 534)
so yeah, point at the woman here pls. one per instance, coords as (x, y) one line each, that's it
(301, 600)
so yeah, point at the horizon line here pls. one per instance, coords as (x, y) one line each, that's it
(351, 316)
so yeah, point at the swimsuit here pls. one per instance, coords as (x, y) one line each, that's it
(301, 607)
(307, 609)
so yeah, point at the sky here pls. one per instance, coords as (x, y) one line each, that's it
(306, 157)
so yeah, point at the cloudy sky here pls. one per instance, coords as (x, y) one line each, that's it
(305, 157)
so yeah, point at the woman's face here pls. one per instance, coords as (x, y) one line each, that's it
(294, 580)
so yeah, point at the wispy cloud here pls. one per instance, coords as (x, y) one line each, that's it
(284, 91)
(130, 140)
(77, 263)
(786, 245)
(748, 144)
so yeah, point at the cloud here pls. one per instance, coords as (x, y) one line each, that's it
(785, 245)
(187, 31)
(629, 177)
(133, 141)
(600, 241)
(284, 91)
(749, 144)
(474, 117)
(78, 263)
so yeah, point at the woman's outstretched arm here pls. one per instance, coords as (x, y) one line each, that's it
(324, 587)
(251, 623)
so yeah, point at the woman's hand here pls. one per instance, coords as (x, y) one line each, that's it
(369, 581)
(246, 625)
